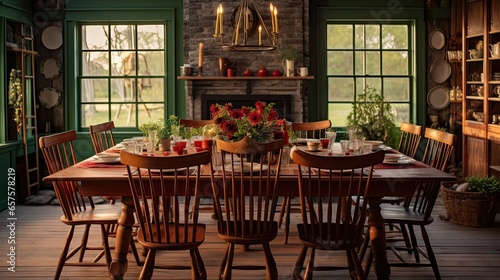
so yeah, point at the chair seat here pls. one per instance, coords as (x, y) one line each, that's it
(181, 243)
(105, 214)
(399, 214)
(247, 238)
(322, 243)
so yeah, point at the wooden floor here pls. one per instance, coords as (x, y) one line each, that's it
(462, 252)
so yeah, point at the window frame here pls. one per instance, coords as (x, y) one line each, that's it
(355, 76)
(169, 17)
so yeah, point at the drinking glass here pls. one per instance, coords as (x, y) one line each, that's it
(139, 144)
(285, 157)
(331, 135)
(325, 143)
(366, 148)
(344, 145)
(358, 144)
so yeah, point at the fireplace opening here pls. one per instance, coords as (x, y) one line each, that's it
(282, 102)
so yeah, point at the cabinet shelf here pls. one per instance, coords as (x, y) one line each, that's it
(494, 99)
(475, 60)
(474, 36)
(475, 98)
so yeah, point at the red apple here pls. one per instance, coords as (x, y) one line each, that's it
(247, 72)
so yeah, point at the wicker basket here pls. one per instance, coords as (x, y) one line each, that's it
(472, 209)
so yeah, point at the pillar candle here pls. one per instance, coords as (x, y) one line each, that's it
(260, 35)
(221, 19)
(200, 54)
(272, 14)
(217, 22)
(276, 19)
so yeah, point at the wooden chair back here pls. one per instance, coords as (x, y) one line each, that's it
(315, 129)
(167, 209)
(195, 123)
(438, 151)
(57, 149)
(410, 139)
(249, 197)
(102, 136)
(333, 197)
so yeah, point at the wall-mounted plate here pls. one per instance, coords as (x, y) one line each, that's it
(437, 39)
(50, 68)
(440, 71)
(49, 97)
(52, 37)
(438, 98)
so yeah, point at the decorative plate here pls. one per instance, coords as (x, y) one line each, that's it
(50, 68)
(49, 97)
(438, 98)
(440, 71)
(52, 37)
(437, 39)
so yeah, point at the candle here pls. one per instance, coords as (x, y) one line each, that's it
(221, 19)
(200, 54)
(272, 15)
(217, 21)
(276, 19)
(247, 14)
(260, 35)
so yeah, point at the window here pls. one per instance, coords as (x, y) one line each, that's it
(368, 55)
(122, 73)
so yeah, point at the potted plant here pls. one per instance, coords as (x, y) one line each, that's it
(472, 202)
(373, 116)
(166, 131)
(288, 57)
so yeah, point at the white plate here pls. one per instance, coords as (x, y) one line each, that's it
(50, 68)
(440, 71)
(246, 167)
(438, 98)
(52, 37)
(401, 161)
(437, 39)
(170, 170)
(49, 97)
(375, 143)
(106, 160)
(303, 140)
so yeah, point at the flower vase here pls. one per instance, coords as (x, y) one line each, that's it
(289, 66)
(164, 144)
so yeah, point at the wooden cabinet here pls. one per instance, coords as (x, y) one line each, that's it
(481, 77)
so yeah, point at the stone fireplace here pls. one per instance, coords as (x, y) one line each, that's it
(290, 93)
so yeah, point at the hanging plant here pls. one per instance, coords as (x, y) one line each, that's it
(16, 97)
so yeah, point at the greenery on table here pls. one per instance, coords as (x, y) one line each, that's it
(487, 185)
(373, 116)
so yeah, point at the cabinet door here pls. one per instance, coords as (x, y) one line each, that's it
(495, 15)
(475, 18)
(476, 161)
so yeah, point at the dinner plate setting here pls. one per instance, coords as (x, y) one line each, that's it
(395, 159)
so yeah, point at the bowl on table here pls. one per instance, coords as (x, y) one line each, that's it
(313, 145)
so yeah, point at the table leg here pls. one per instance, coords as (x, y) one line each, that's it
(377, 239)
(123, 236)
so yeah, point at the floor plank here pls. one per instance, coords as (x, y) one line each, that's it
(462, 252)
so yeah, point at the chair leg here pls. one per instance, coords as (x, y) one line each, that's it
(224, 261)
(62, 258)
(414, 243)
(202, 272)
(271, 269)
(135, 252)
(107, 252)
(310, 265)
(299, 264)
(227, 274)
(430, 253)
(282, 210)
(356, 263)
(149, 264)
(85, 238)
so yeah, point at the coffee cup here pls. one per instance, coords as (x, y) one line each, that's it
(186, 70)
(303, 71)
(495, 49)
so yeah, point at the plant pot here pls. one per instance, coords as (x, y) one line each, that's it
(472, 209)
(164, 144)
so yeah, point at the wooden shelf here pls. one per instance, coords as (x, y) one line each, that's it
(475, 60)
(495, 167)
(220, 78)
(475, 98)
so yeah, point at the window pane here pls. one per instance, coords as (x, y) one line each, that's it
(124, 114)
(401, 113)
(340, 89)
(94, 37)
(151, 89)
(340, 63)
(395, 63)
(94, 113)
(337, 113)
(94, 90)
(120, 90)
(367, 63)
(397, 89)
(150, 36)
(339, 36)
(394, 36)
(124, 62)
(367, 37)
(122, 37)
(362, 83)
(95, 64)
(151, 63)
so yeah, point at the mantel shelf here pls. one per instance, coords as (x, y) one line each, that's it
(207, 78)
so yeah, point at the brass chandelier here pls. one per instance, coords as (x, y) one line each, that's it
(246, 19)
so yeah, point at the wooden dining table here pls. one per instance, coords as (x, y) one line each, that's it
(388, 180)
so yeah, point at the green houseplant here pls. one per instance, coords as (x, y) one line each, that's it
(288, 53)
(473, 202)
(373, 116)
